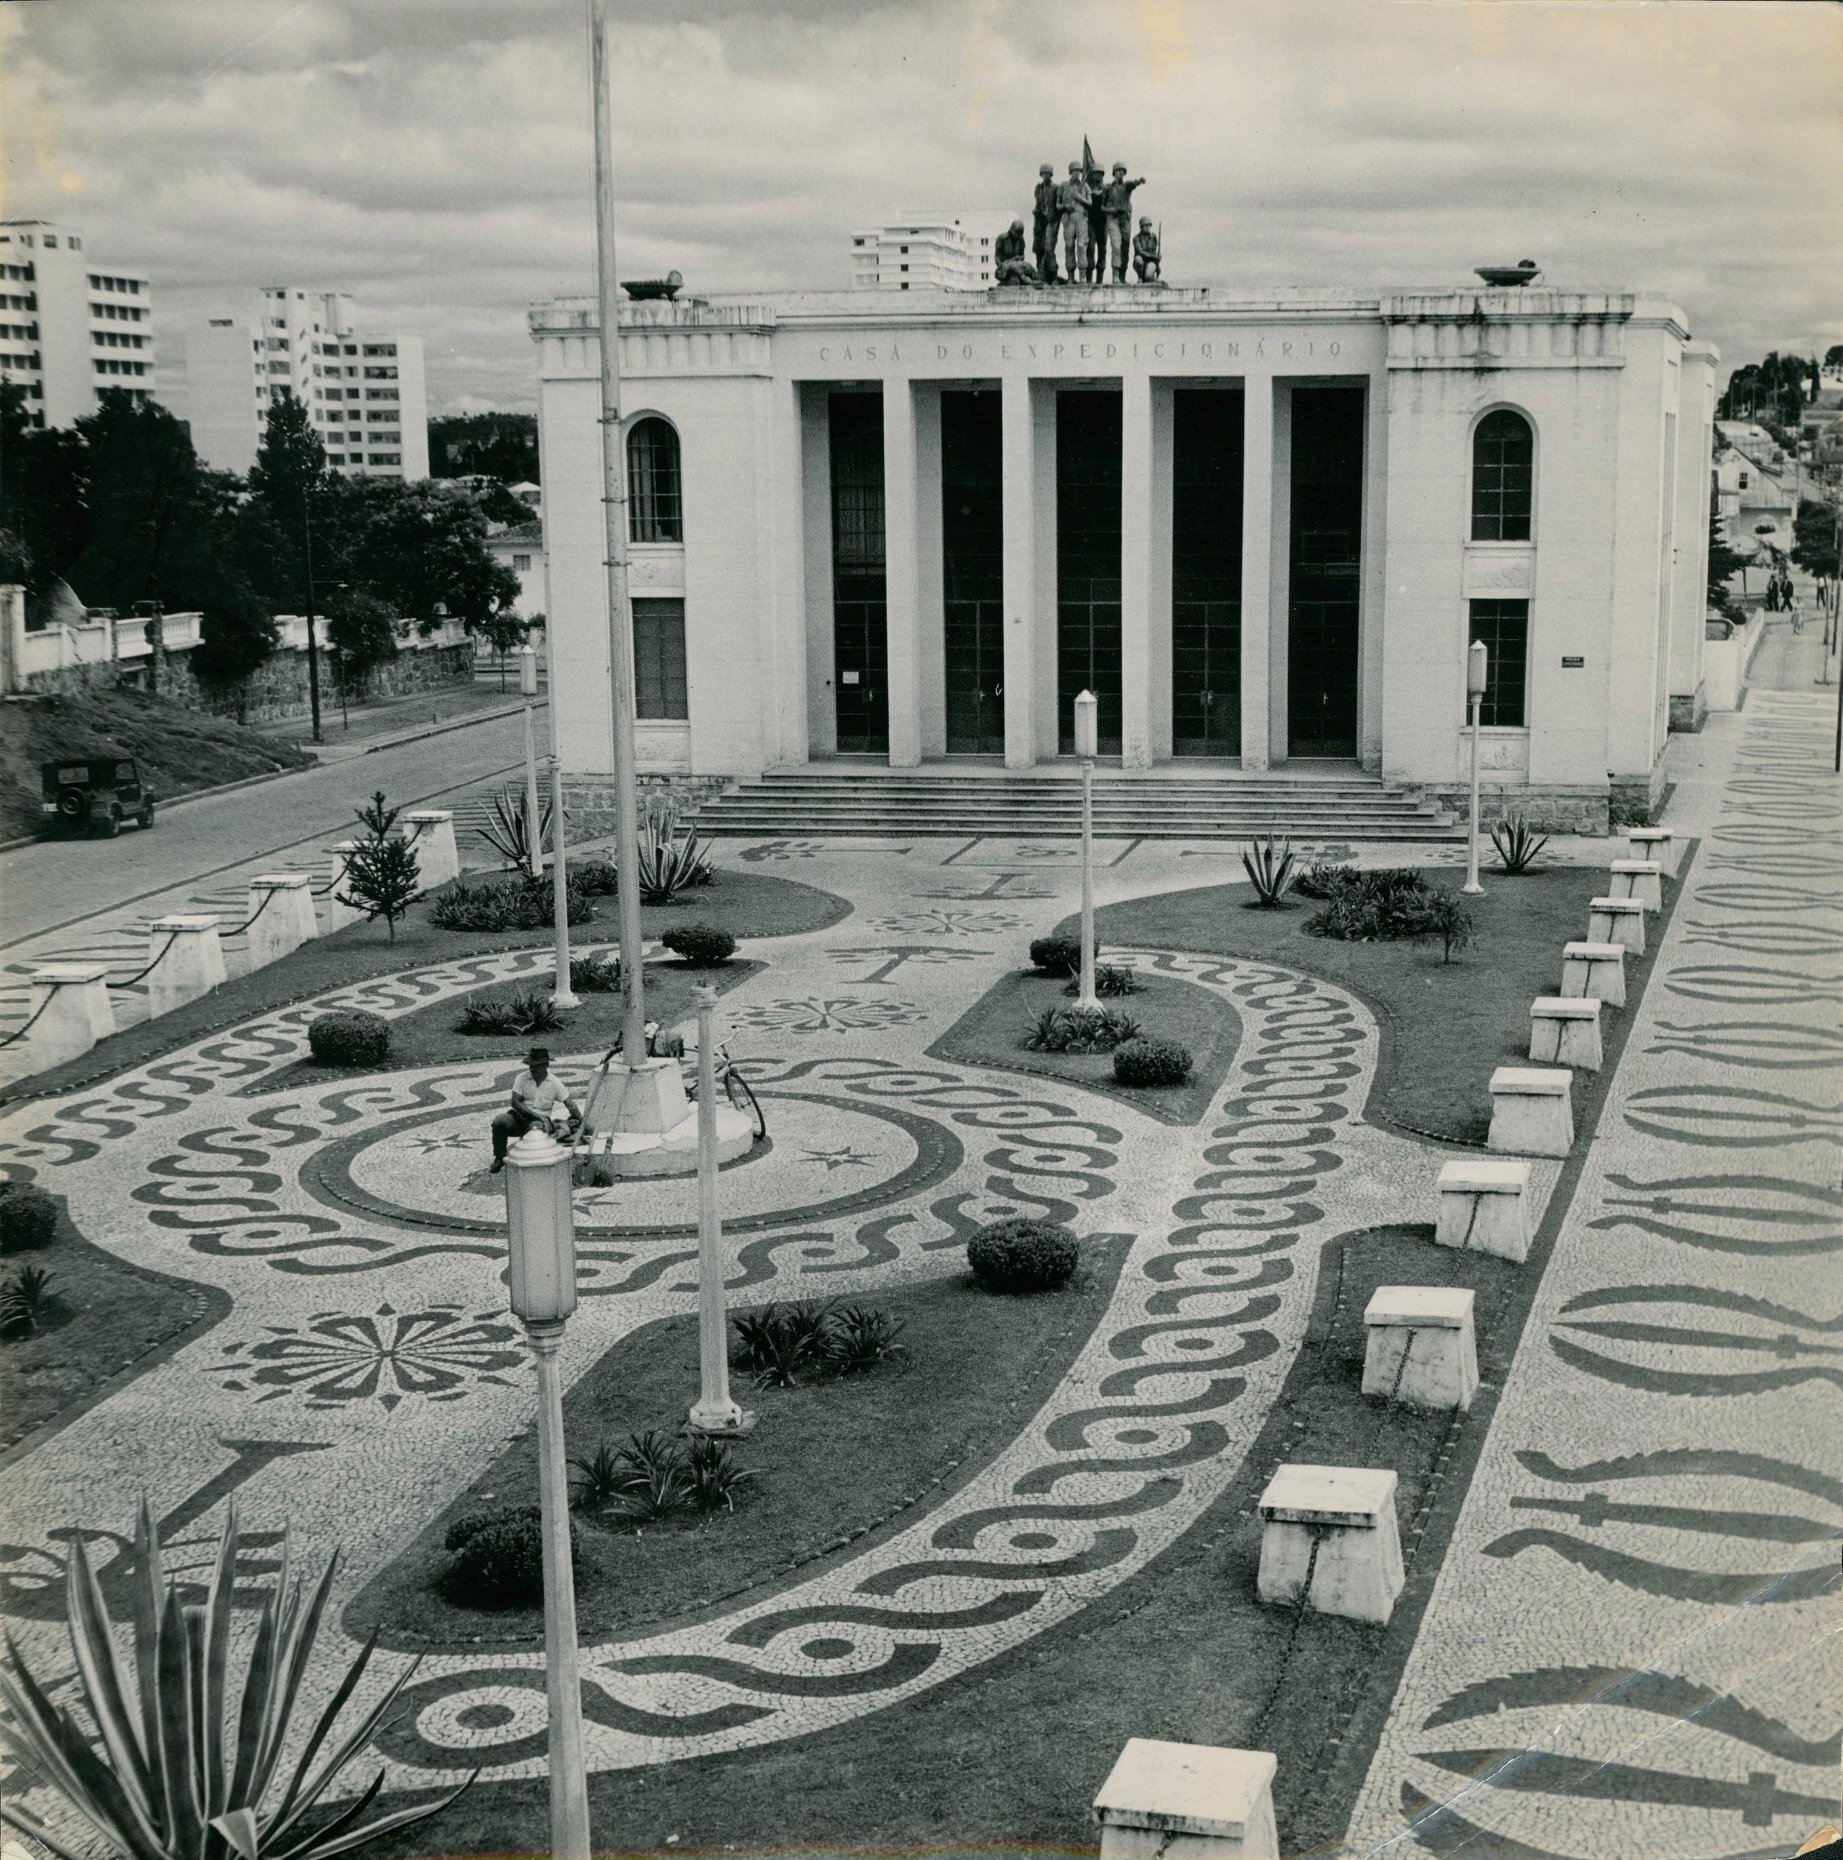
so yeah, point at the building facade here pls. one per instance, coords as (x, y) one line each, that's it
(1261, 531)
(69, 326)
(363, 387)
(928, 251)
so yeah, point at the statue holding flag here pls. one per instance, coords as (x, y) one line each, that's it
(1073, 200)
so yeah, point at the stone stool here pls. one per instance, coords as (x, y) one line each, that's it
(191, 964)
(281, 916)
(1532, 1111)
(1188, 1802)
(1485, 1207)
(1595, 971)
(338, 915)
(1657, 843)
(438, 858)
(1564, 1030)
(1420, 1350)
(1642, 879)
(1617, 920)
(69, 1011)
(1328, 1539)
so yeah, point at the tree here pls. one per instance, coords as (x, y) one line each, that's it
(1814, 538)
(288, 482)
(1724, 563)
(361, 632)
(383, 876)
(494, 445)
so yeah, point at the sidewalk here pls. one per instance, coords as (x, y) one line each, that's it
(369, 726)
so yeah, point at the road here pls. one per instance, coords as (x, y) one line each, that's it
(93, 899)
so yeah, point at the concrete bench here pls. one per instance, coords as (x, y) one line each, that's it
(1329, 1541)
(1188, 1802)
(281, 916)
(1617, 920)
(69, 1011)
(1420, 1347)
(1595, 971)
(1642, 879)
(1657, 843)
(1564, 1030)
(1485, 1207)
(1532, 1111)
(190, 962)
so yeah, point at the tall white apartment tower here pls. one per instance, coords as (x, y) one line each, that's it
(363, 387)
(928, 251)
(69, 326)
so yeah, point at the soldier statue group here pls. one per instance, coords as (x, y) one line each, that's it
(1093, 215)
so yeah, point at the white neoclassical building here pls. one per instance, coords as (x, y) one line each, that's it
(1262, 530)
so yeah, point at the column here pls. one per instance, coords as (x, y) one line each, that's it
(1021, 594)
(1256, 567)
(1138, 525)
(901, 571)
(815, 482)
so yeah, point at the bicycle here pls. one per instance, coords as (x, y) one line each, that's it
(736, 1088)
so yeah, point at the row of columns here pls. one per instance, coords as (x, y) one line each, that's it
(1028, 428)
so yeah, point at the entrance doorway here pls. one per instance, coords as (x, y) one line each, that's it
(1206, 486)
(860, 607)
(1088, 428)
(973, 572)
(1326, 561)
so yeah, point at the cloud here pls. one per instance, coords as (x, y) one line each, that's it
(432, 156)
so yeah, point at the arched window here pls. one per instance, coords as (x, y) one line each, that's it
(652, 483)
(1503, 477)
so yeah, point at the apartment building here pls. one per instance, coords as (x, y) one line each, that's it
(928, 251)
(70, 326)
(363, 387)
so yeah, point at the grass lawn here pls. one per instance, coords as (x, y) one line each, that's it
(747, 903)
(991, 1033)
(101, 1318)
(1444, 1026)
(834, 1460)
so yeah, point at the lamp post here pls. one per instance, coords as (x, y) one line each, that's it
(561, 992)
(540, 1225)
(1475, 668)
(1087, 740)
(715, 1411)
(534, 826)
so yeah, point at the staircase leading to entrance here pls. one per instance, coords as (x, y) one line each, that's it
(965, 802)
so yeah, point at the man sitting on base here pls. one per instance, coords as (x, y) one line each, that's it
(536, 1098)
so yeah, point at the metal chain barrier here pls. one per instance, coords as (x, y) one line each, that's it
(19, 1033)
(139, 974)
(251, 918)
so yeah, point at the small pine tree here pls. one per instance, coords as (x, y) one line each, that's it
(1445, 920)
(383, 875)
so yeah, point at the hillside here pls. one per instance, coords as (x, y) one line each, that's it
(178, 750)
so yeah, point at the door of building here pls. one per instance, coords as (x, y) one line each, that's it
(1088, 427)
(973, 572)
(1326, 561)
(860, 608)
(1206, 490)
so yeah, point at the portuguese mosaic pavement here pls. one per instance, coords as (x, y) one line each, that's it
(1638, 1572)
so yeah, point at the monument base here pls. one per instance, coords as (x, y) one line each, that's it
(616, 1155)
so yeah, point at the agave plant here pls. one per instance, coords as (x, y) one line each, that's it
(669, 866)
(507, 831)
(184, 1763)
(1517, 844)
(22, 1301)
(1270, 869)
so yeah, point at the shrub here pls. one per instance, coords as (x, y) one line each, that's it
(499, 1557)
(1380, 906)
(1321, 878)
(1270, 870)
(518, 904)
(1022, 1255)
(1517, 844)
(529, 1011)
(1058, 954)
(862, 1338)
(349, 1037)
(22, 1300)
(28, 1217)
(595, 975)
(1446, 920)
(1151, 1062)
(1080, 1030)
(1110, 980)
(597, 877)
(712, 1477)
(702, 946)
(598, 1480)
(780, 1343)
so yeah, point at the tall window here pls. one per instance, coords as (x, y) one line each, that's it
(659, 659)
(1504, 627)
(1503, 477)
(652, 484)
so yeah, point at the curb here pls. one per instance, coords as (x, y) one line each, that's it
(180, 800)
(442, 729)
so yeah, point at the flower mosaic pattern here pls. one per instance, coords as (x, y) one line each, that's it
(827, 1014)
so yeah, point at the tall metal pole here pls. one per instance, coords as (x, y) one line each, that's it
(313, 646)
(715, 1411)
(1475, 682)
(614, 504)
(562, 993)
(534, 816)
(1087, 711)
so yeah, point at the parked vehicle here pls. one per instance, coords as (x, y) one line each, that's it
(94, 794)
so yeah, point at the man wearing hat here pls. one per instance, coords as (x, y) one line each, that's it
(1044, 217)
(1117, 204)
(536, 1097)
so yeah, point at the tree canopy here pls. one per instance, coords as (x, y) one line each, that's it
(1814, 538)
(1772, 391)
(494, 445)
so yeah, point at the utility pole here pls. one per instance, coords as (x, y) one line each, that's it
(313, 645)
(614, 504)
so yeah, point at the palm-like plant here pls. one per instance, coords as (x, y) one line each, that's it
(1517, 844)
(508, 831)
(184, 1764)
(669, 866)
(1270, 869)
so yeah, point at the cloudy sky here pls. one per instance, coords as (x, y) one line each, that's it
(432, 156)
